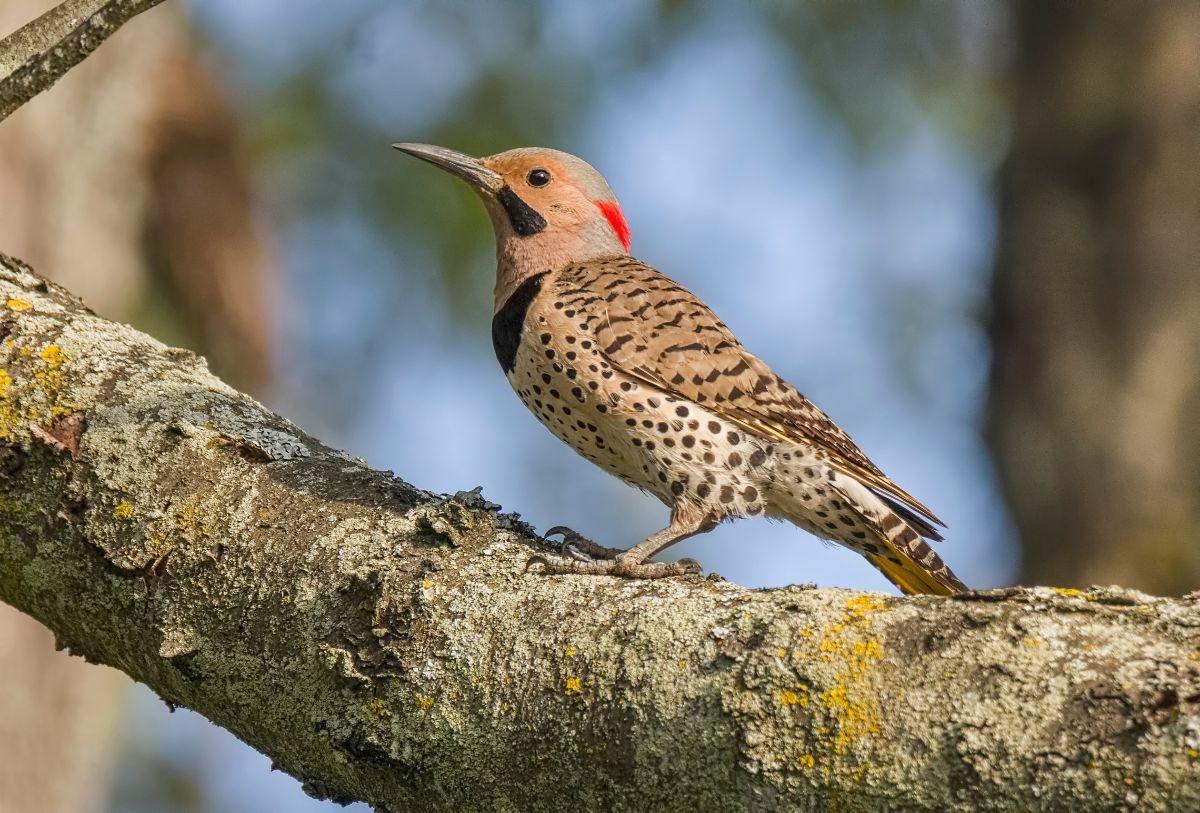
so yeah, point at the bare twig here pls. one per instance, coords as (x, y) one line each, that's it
(37, 55)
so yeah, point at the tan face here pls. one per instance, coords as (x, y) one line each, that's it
(571, 197)
(547, 187)
(548, 208)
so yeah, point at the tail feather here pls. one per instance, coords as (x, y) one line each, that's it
(906, 559)
(912, 579)
(919, 523)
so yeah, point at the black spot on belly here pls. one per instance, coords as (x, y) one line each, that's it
(508, 321)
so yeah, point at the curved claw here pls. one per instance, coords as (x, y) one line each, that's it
(569, 538)
(577, 546)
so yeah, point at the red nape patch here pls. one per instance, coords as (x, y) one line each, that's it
(612, 211)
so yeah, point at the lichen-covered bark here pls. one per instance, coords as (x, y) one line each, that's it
(38, 54)
(387, 644)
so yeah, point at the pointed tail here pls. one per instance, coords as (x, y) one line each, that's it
(909, 563)
(905, 559)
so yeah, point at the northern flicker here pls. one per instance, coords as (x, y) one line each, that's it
(637, 375)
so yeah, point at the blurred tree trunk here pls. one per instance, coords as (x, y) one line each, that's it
(1095, 395)
(124, 183)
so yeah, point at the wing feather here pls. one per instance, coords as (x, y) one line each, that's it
(655, 330)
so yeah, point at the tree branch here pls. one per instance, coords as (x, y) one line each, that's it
(386, 644)
(38, 54)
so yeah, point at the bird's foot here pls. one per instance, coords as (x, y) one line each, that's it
(579, 547)
(618, 566)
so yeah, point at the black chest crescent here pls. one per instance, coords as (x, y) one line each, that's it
(510, 320)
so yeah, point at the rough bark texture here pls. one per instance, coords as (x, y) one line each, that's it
(39, 36)
(386, 644)
(56, 42)
(1095, 398)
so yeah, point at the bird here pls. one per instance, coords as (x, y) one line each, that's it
(639, 376)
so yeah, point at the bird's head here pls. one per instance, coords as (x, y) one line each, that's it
(548, 208)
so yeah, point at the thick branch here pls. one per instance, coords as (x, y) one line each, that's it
(38, 54)
(386, 644)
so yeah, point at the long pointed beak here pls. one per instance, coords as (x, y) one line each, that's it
(456, 163)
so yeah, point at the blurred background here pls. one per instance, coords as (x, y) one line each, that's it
(969, 231)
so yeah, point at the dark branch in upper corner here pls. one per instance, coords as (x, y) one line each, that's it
(38, 54)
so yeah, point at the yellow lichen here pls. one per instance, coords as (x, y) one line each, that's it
(426, 584)
(861, 605)
(868, 649)
(41, 396)
(189, 518)
(1067, 591)
(1193, 753)
(782, 653)
(574, 686)
(1032, 643)
(378, 707)
(856, 717)
(123, 510)
(681, 663)
(18, 304)
(790, 698)
(424, 702)
(806, 760)
(53, 354)
(851, 703)
(569, 651)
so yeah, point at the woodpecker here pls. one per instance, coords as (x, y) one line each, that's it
(639, 376)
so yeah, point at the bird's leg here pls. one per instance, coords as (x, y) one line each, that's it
(685, 521)
(580, 547)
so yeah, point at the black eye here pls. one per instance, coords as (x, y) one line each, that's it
(538, 177)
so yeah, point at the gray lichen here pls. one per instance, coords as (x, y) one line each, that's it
(387, 644)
